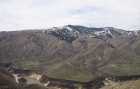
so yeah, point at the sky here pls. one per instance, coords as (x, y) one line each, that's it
(39, 14)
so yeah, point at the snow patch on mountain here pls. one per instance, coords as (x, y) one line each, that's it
(136, 32)
(72, 32)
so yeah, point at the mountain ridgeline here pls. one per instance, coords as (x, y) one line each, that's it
(73, 52)
(69, 32)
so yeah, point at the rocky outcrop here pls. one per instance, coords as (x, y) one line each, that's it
(22, 72)
(22, 82)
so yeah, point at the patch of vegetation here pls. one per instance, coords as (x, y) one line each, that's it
(69, 71)
(30, 65)
(125, 66)
(121, 68)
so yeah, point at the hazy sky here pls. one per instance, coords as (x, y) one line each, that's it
(38, 14)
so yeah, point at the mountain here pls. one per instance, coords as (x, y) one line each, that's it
(73, 52)
(70, 32)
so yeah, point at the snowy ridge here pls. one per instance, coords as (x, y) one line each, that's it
(72, 32)
(136, 32)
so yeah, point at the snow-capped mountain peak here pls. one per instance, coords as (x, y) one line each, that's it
(72, 32)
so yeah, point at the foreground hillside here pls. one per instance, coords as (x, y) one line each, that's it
(7, 81)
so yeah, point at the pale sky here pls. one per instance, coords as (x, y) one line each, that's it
(39, 14)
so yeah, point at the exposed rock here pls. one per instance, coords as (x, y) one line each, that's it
(22, 82)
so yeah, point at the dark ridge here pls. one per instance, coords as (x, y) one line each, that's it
(120, 78)
(61, 36)
(70, 84)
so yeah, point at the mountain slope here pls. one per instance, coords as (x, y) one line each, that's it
(90, 50)
(71, 32)
(6, 78)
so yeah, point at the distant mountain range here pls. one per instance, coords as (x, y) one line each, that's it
(69, 32)
(73, 52)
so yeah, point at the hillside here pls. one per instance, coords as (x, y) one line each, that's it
(73, 52)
